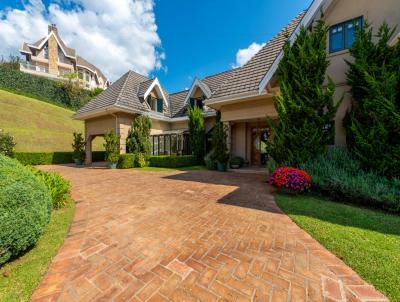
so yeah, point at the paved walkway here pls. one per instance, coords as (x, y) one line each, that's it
(189, 236)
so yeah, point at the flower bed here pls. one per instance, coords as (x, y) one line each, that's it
(290, 179)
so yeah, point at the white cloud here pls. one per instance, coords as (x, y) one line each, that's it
(115, 35)
(245, 54)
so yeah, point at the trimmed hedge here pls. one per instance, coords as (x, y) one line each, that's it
(43, 158)
(25, 208)
(172, 161)
(340, 177)
(33, 86)
(126, 161)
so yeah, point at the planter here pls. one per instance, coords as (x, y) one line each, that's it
(112, 165)
(221, 167)
(78, 162)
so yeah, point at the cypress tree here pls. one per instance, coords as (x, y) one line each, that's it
(305, 105)
(138, 140)
(373, 123)
(197, 132)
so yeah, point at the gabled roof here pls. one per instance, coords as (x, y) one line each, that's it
(84, 63)
(246, 79)
(315, 9)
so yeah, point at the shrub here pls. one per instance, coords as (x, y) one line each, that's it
(40, 88)
(237, 161)
(57, 186)
(290, 179)
(172, 161)
(210, 161)
(7, 144)
(111, 145)
(340, 176)
(140, 160)
(25, 208)
(138, 140)
(126, 161)
(219, 144)
(197, 132)
(78, 145)
(48, 158)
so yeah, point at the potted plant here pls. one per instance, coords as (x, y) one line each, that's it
(78, 147)
(236, 162)
(220, 153)
(111, 146)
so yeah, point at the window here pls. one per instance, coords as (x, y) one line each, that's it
(155, 104)
(342, 36)
(197, 102)
(46, 52)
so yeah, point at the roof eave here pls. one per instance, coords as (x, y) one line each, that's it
(312, 11)
(216, 103)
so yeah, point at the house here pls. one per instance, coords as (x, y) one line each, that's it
(51, 58)
(243, 96)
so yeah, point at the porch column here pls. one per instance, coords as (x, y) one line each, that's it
(88, 149)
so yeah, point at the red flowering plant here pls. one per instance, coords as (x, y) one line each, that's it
(290, 179)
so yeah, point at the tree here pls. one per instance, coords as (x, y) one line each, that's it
(197, 132)
(138, 140)
(111, 146)
(78, 146)
(219, 144)
(305, 106)
(72, 85)
(373, 123)
(7, 144)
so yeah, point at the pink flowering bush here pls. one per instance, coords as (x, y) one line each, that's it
(290, 179)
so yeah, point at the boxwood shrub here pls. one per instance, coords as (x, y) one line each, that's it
(25, 208)
(48, 158)
(172, 161)
(126, 161)
(340, 177)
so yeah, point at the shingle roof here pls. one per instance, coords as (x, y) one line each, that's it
(247, 78)
(123, 92)
(82, 62)
(144, 86)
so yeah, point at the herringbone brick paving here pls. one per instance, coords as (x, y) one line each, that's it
(189, 236)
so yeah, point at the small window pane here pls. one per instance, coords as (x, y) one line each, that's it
(351, 28)
(337, 39)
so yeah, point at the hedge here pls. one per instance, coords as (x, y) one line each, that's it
(172, 161)
(37, 87)
(25, 208)
(340, 177)
(48, 158)
(126, 161)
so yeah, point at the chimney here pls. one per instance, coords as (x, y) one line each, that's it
(52, 27)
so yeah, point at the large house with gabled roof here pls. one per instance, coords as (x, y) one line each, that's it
(50, 57)
(243, 96)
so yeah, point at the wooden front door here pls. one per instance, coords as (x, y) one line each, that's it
(259, 137)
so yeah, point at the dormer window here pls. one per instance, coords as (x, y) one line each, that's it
(155, 104)
(197, 102)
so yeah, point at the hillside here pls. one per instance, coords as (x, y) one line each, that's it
(37, 126)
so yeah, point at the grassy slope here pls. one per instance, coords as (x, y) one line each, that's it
(367, 240)
(25, 273)
(37, 126)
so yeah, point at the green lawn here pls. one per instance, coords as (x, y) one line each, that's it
(367, 240)
(38, 126)
(20, 277)
(155, 169)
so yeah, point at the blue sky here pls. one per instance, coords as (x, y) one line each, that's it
(191, 38)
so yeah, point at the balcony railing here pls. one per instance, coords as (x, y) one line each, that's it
(33, 67)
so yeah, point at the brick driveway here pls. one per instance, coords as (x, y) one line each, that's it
(189, 236)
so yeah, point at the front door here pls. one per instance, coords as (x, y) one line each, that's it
(259, 137)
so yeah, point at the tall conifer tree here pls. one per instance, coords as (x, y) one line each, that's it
(305, 105)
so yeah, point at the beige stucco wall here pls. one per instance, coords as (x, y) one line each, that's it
(343, 10)
(257, 109)
(239, 140)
